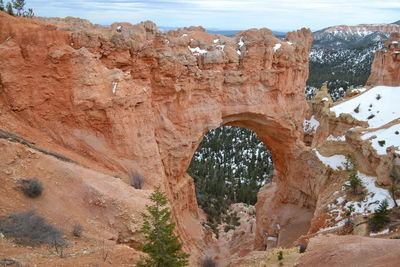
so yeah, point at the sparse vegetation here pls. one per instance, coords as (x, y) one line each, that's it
(378, 96)
(136, 180)
(208, 262)
(357, 109)
(350, 164)
(302, 248)
(162, 246)
(16, 8)
(231, 220)
(354, 183)
(31, 187)
(370, 116)
(380, 217)
(31, 230)
(280, 255)
(394, 187)
(77, 230)
(382, 142)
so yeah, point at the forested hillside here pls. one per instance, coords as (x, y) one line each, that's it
(230, 166)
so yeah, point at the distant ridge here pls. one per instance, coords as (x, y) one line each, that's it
(228, 33)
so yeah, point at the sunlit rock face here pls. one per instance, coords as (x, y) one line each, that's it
(386, 65)
(141, 100)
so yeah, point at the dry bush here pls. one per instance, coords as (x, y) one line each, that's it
(31, 187)
(77, 230)
(32, 230)
(208, 262)
(136, 180)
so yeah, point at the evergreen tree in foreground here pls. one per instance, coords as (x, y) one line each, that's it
(162, 246)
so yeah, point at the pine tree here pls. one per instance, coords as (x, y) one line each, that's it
(355, 183)
(9, 9)
(380, 217)
(162, 246)
(19, 6)
(1, 5)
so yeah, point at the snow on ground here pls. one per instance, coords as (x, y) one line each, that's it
(384, 138)
(240, 43)
(197, 50)
(373, 197)
(338, 138)
(383, 232)
(310, 125)
(377, 106)
(336, 162)
(359, 90)
(277, 46)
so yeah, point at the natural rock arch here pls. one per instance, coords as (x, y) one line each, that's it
(143, 100)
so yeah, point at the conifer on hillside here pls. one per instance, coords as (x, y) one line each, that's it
(162, 246)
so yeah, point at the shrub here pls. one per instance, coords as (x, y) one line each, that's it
(280, 255)
(31, 187)
(378, 96)
(370, 116)
(30, 229)
(77, 230)
(354, 183)
(381, 142)
(350, 164)
(380, 217)
(136, 180)
(302, 248)
(208, 262)
(357, 109)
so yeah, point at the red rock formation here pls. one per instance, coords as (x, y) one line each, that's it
(385, 68)
(141, 100)
(339, 251)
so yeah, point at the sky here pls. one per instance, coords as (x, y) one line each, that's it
(280, 15)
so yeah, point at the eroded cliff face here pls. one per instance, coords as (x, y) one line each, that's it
(386, 64)
(141, 100)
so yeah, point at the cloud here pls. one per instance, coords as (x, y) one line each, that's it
(226, 14)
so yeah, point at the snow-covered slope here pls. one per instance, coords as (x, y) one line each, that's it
(379, 107)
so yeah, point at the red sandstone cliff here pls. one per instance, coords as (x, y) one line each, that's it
(141, 100)
(386, 65)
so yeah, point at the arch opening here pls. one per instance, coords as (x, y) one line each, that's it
(229, 166)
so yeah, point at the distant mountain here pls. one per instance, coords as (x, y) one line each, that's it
(397, 22)
(230, 33)
(342, 55)
(344, 36)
